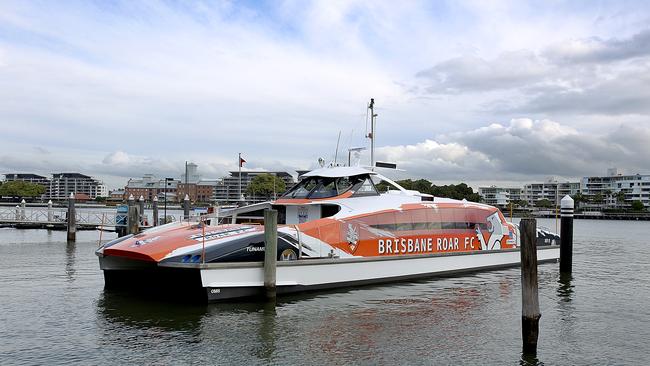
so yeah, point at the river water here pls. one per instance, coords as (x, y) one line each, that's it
(53, 310)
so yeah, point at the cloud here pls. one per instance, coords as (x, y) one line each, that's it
(474, 74)
(583, 76)
(596, 50)
(522, 150)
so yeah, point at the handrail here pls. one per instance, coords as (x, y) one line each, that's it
(239, 210)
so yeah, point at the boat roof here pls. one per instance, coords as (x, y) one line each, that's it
(338, 171)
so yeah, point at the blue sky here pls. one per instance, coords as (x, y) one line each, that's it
(476, 91)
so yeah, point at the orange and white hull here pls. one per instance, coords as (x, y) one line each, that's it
(223, 281)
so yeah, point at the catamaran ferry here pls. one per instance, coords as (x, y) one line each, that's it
(340, 226)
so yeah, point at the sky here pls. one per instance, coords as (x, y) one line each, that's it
(483, 92)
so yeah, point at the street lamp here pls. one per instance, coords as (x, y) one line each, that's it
(166, 185)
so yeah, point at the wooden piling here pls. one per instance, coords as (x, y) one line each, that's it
(270, 251)
(530, 313)
(155, 210)
(72, 219)
(186, 207)
(566, 235)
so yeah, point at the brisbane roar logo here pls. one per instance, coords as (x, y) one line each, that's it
(352, 238)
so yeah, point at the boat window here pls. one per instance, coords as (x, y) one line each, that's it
(322, 187)
(326, 187)
(364, 188)
(382, 185)
(343, 184)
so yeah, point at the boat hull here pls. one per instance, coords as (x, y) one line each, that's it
(234, 280)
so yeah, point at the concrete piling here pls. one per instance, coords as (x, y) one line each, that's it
(566, 235)
(132, 217)
(530, 313)
(186, 207)
(154, 206)
(17, 213)
(72, 219)
(50, 214)
(270, 251)
(141, 210)
(23, 216)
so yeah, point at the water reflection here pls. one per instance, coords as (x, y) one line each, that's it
(266, 332)
(123, 309)
(565, 287)
(530, 359)
(70, 252)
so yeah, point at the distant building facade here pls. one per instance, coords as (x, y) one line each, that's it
(31, 178)
(203, 190)
(551, 190)
(62, 184)
(150, 186)
(227, 192)
(616, 190)
(499, 196)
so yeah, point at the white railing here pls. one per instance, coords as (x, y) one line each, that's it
(56, 215)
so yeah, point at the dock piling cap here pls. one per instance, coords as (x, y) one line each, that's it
(131, 197)
(141, 198)
(187, 198)
(23, 201)
(71, 195)
(566, 202)
(155, 198)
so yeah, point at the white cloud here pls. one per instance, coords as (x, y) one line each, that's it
(522, 150)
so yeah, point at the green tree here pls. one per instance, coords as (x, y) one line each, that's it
(21, 189)
(420, 185)
(457, 191)
(266, 185)
(638, 206)
(544, 203)
(521, 203)
(620, 197)
(597, 198)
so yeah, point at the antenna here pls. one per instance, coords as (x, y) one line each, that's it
(351, 150)
(371, 135)
(336, 154)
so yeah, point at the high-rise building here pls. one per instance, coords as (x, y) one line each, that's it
(62, 184)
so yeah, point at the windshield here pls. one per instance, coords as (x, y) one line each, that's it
(322, 187)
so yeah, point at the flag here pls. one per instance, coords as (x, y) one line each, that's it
(241, 161)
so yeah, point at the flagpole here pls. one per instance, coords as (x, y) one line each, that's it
(239, 164)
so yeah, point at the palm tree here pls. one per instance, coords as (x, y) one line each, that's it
(620, 197)
(608, 195)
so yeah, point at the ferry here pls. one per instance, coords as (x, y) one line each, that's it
(340, 226)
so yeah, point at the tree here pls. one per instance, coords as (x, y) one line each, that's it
(620, 197)
(521, 203)
(638, 206)
(545, 203)
(420, 185)
(266, 185)
(20, 189)
(597, 198)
